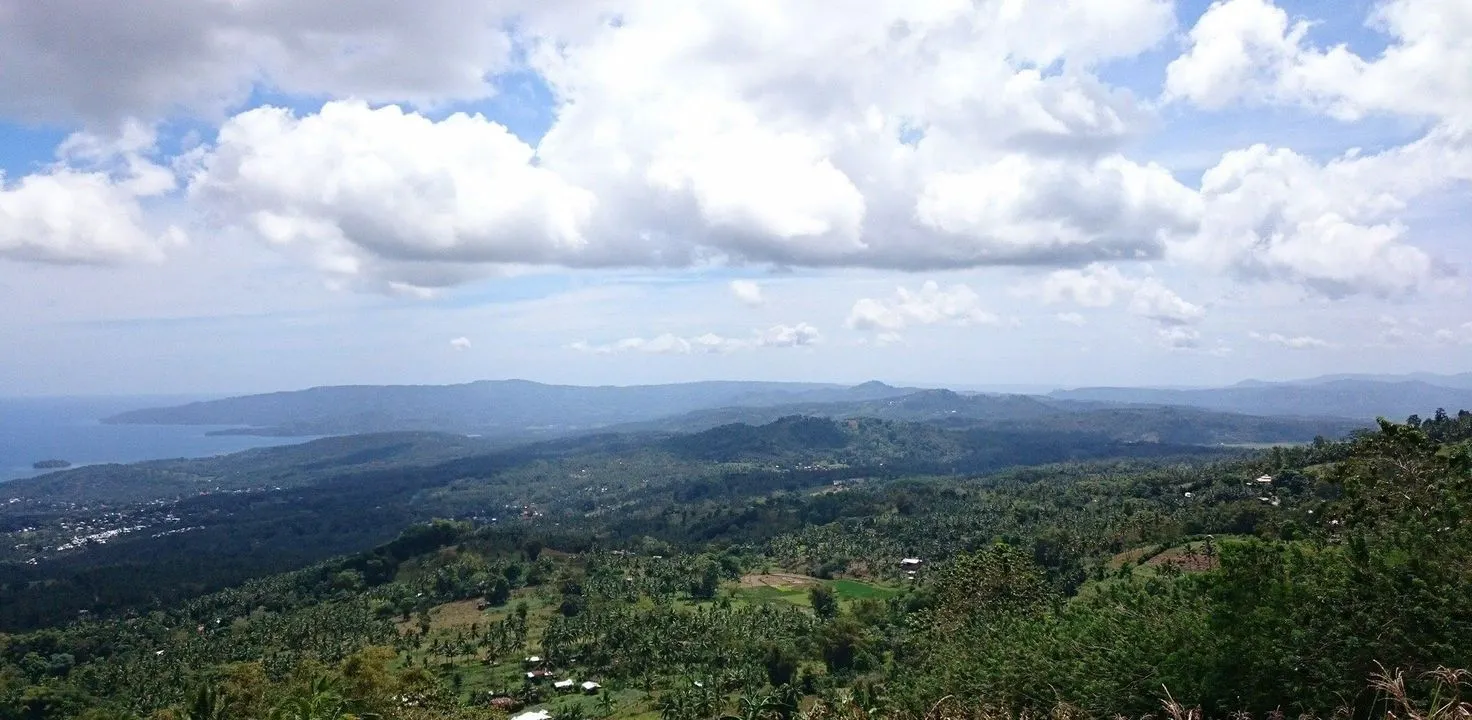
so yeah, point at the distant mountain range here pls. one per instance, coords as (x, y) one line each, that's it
(1359, 398)
(523, 410)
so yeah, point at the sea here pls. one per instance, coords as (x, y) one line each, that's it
(70, 429)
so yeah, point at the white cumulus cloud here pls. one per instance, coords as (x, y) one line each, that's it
(1103, 285)
(1273, 213)
(1459, 335)
(385, 193)
(929, 305)
(748, 292)
(777, 336)
(1333, 226)
(1179, 337)
(89, 206)
(1251, 50)
(460, 344)
(682, 135)
(1296, 342)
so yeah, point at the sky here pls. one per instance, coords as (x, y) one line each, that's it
(225, 196)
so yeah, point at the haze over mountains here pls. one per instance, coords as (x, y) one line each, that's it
(520, 409)
(1335, 396)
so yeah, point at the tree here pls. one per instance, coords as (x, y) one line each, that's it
(786, 701)
(824, 601)
(606, 705)
(781, 664)
(208, 703)
(533, 549)
(499, 593)
(319, 701)
(844, 646)
(710, 581)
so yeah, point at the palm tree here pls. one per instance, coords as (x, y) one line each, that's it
(574, 711)
(786, 701)
(321, 701)
(208, 703)
(606, 706)
(751, 706)
(675, 706)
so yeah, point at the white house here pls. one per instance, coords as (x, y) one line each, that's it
(1264, 480)
(534, 715)
(910, 562)
(564, 684)
(590, 687)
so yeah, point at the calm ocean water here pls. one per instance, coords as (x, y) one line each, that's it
(33, 429)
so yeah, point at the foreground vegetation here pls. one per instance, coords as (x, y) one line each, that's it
(759, 574)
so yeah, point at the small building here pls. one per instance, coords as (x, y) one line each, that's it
(590, 687)
(1264, 480)
(564, 684)
(534, 715)
(910, 562)
(533, 660)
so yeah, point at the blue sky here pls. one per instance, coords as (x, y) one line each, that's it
(263, 196)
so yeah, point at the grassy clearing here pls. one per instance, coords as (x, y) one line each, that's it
(766, 594)
(1133, 556)
(1190, 557)
(793, 589)
(848, 589)
(778, 580)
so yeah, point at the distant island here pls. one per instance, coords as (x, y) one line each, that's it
(51, 464)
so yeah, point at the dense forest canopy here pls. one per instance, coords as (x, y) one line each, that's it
(810, 567)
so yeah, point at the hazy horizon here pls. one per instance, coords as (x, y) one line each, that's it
(999, 388)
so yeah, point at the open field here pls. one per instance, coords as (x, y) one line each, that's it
(781, 581)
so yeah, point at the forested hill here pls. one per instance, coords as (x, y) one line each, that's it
(934, 446)
(501, 407)
(1126, 423)
(1345, 397)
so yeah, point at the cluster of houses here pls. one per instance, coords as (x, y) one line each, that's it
(537, 674)
(1265, 481)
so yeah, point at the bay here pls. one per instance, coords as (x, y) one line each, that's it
(70, 429)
